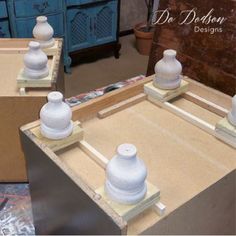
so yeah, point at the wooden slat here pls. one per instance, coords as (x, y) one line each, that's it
(90, 109)
(210, 106)
(121, 105)
(93, 154)
(185, 115)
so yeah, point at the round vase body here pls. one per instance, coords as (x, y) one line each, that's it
(55, 117)
(232, 113)
(35, 61)
(43, 32)
(125, 176)
(168, 71)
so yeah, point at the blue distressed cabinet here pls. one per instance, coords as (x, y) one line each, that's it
(85, 25)
(4, 21)
(92, 25)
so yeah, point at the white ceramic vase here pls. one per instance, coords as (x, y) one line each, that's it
(43, 32)
(125, 176)
(35, 61)
(55, 117)
(232, 113)
(168, 71)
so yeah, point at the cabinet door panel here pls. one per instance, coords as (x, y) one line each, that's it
(24, 27)
(4, 29)
(105, 23)
(3, 9)
(79, 28)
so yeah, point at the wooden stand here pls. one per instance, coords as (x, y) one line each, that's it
(193, 169)
(19, 109)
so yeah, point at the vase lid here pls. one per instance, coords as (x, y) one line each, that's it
(169, 53)
(34, 45)
(41, 19)
(127, 150)
(55, 97)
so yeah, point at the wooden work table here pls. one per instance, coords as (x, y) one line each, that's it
(16, 109)
(194, 171)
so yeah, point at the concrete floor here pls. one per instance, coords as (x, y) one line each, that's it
(107, 70)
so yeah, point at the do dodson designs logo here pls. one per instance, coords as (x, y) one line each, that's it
(202, 24)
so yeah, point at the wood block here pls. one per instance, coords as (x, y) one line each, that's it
(52, 50)
(127, 212)
(56, 145)
(165, 95)
(226, 132)
(24, 82)
(121, 105)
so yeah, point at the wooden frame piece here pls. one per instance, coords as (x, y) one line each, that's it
(121, 105)
(185, 115)
(23, 47)
(210, 106)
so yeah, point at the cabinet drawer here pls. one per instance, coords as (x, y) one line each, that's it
(24, 27)
(26, 8)
(82, 2)
(4, 29)
(3, 9)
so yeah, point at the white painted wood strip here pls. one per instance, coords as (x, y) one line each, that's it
(185, 115)
(206, 104)
(93, 154)
(160, 208)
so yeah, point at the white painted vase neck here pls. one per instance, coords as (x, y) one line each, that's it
(125, 176)
(232, 113)
(43, 32)
(168, 71)
(169, 55)
(35, 61)
(55, 117)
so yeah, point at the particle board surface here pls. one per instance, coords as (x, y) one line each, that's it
(181, 174)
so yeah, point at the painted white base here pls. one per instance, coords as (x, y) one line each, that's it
(167, 84)
(36, 74)
(125, 197)
(54, 133)
(232, 119)
(47, 44)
